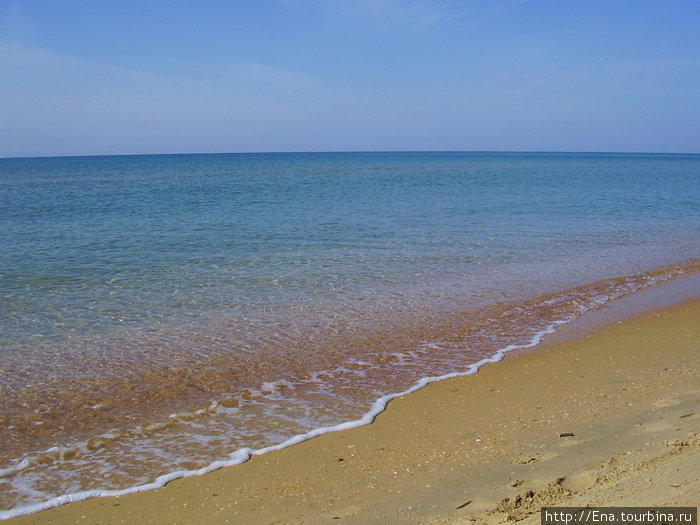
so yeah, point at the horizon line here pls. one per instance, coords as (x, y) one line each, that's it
(310, 152)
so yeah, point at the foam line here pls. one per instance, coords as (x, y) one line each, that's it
(244, 454)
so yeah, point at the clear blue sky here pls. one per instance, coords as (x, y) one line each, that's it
(146, 76)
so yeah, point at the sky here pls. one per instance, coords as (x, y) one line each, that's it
(174, 76)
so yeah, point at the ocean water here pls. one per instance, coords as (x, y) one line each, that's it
(163, 315)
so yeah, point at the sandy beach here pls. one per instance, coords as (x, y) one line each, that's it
(610, 417)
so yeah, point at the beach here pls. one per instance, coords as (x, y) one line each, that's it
(606, 415)
(394, 262)
(164, 315)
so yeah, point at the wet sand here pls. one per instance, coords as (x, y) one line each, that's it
(609, 418)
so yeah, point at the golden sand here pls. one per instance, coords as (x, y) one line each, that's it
(612, 418)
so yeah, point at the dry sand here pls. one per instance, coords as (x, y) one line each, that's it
(451, 452)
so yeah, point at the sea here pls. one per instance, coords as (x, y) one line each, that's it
(162, 316)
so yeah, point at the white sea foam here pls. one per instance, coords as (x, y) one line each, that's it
(268, 392)
(274, 387)
(244, 454)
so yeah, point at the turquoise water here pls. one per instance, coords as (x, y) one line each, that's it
(92, 243)
(276, 293)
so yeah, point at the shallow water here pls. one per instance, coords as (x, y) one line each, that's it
(161, 312)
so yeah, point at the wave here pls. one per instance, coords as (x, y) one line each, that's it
(524, 324)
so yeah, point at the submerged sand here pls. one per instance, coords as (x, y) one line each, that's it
(610, 418)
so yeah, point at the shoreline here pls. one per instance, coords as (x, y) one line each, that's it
(409, 464)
